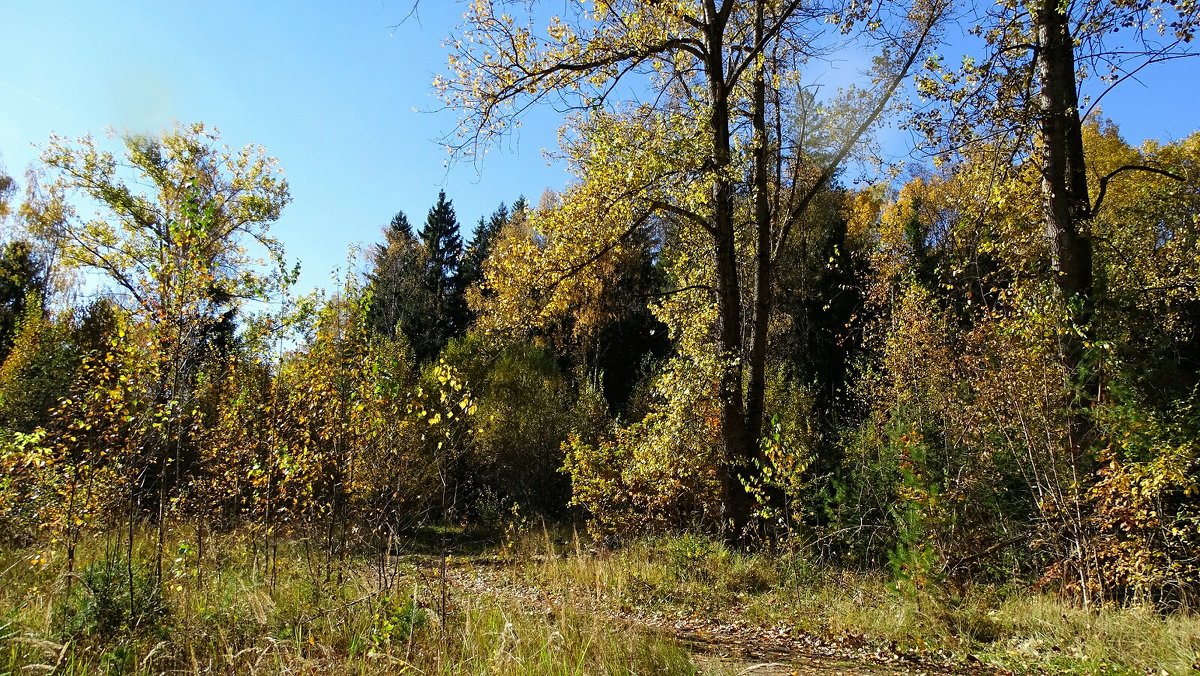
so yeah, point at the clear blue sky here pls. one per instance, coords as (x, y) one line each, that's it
(331, 89)
(334, 91)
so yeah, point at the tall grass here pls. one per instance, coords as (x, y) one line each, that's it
(243, 614)
(1011, 627)
(239, 611)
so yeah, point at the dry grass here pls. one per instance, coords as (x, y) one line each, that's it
(1009, 627)
(247, 615)
(244, 616)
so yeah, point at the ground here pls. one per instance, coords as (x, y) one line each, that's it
(539, 602)
(721, 645)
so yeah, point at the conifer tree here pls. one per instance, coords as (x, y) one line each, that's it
(22, 282)
(417, 288)
(443, 256)
(471, 270)
(487, 231)
(400, 302)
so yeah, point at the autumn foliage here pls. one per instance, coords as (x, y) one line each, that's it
(918, 389)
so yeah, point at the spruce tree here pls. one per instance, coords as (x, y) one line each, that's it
(400, 300)
(443, 250)
(471, 271)
(486, 233)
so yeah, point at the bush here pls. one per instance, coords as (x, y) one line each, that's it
(520, 419)
(1146, 513)
(396, 622)
(37, 372)
(657, 474)
(21, 458)
(112, 600)
(688, 556)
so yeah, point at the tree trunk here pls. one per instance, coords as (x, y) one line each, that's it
(761, 317)
(1067, 209)
(735, 438)
(763, 269)
(738, 446)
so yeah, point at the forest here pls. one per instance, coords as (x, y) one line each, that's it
(748, 395)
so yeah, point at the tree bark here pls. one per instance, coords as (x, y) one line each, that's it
(756, 394)
(1068, 213)
(734, 432)
(763, 264)
(1066, 205)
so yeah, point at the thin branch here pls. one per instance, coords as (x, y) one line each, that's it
(1129, 167)
(757, 48)
(672, 292)
(578, 267)
(1161, 56)
(836, 161)
(684, 213)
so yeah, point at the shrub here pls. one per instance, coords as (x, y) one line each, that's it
(1146, 511)
(396, 622)
(111, 600)
(659, 473)
(521, 416)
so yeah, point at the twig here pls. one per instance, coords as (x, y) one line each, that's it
(756, 667)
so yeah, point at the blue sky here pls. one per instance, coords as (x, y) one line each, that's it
(331, 89)
(334, 90)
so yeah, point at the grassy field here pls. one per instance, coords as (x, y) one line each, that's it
(291, 613)
(1011, 628)
(543, 604)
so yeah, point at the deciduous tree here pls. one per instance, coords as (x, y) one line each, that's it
(715, 82)
(180, 229)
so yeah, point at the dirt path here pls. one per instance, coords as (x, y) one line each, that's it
(721, 647)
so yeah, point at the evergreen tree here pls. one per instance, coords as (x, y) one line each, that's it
(416, 284)
(471, 271)
(443, 257)
(634, 340)
(400, 300)
(486, 232)
(443, 244)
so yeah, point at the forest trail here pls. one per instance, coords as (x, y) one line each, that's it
(727, 646)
